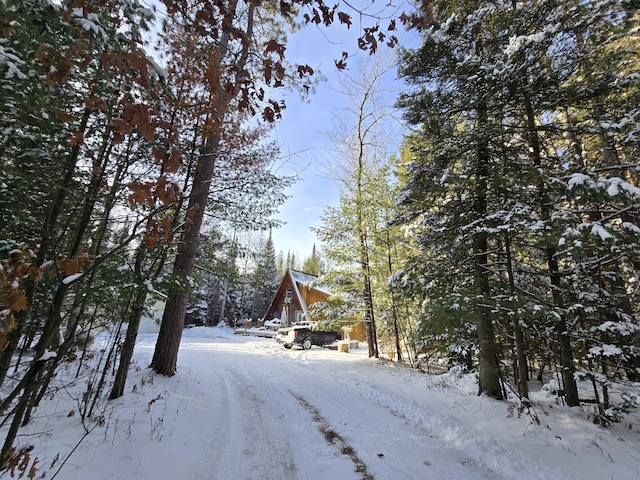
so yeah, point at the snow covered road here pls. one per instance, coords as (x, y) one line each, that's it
(246, 408)
(294, 414)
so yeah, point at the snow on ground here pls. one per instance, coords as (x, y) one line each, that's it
(242, 407)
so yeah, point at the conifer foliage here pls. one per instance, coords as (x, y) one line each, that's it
(521, 185)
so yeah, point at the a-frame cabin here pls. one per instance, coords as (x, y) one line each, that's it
(295, 293)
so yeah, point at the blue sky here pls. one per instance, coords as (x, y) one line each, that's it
(304, 146)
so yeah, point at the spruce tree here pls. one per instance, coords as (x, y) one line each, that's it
(264, 280)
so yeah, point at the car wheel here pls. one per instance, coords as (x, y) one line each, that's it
(287, 346)
(306, 344)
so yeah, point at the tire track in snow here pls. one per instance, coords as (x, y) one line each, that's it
(219, 445)
(454, 434)
(370, 424)
(242, 445)
(334, 438)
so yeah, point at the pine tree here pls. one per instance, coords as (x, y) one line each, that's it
(280, 263)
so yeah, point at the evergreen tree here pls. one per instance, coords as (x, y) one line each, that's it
(515, 87)
(280, 263)
(265, 279)
(454, 103)
(312, 264)
(291, 261)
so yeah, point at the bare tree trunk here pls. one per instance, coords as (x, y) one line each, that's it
(394, 309)
(129, 343)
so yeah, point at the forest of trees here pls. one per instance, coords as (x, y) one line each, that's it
(501, 236)
(504, 237)
(123, 177)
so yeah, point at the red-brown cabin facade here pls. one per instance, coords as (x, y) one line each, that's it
(296, 293)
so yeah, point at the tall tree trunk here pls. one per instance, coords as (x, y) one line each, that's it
(365, 269)
(165, 355)
(521, 358)
(562, 334)
(394, 309)
(135, 315)
(489, 381)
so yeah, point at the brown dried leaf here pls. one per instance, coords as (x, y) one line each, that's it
(172, 164)
(273, 46)
(147, 130)
(69, 266)
(62, 115)
(16, 300)
(404, 18)
(345, 18)
(83, 259)
(160, 154)
(140, 194)
(121, 126)
(285, 9)
(304, 70)
(77, 139)
(33, 470)
(96, 102)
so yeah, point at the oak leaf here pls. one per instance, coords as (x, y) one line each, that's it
(77, 139)
(304, 70)
(345, 18)
(160, 154)
(147, 131)
(273, 46)
(285, 9)
(16, 300)
(140, 194)
(96, 102)
(172, 162)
